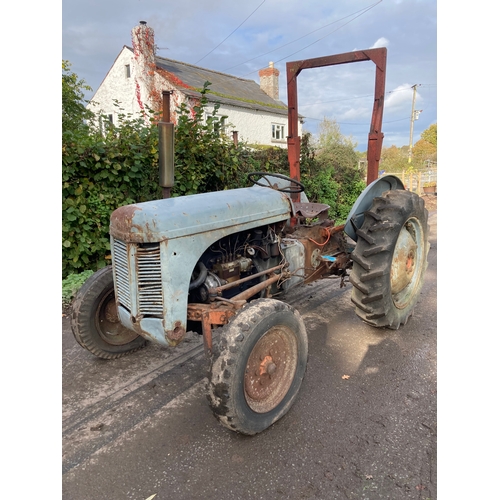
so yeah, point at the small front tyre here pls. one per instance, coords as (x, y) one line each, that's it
(258, 372)
(94, 319)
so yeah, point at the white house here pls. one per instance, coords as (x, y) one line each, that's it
(138, 77)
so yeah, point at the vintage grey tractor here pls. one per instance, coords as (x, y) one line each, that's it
(226, 260)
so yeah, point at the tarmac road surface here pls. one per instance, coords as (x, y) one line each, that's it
(363, 426)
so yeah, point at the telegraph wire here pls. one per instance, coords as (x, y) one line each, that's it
(363, 11)
(353, 123)
(233, 32)
(364, 96)
(300, 38)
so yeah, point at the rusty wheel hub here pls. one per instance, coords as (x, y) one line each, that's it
(407, 263)
(270, 369)
(108, 323)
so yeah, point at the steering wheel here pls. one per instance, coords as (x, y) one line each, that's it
(300, 187)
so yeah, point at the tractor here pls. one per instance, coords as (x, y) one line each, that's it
(225, 261)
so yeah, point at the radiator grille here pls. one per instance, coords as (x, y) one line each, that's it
(122, 281)
(148, 278)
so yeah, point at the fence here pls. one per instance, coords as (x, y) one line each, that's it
(416, 180)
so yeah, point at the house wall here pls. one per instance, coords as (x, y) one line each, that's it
(116, 86)
(254, 127)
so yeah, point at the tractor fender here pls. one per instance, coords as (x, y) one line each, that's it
(356, 216)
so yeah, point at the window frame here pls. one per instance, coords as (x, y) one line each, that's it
(278, 132)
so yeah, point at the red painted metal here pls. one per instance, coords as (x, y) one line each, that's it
(375, 137)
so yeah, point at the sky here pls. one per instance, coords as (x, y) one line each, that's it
(239, 38)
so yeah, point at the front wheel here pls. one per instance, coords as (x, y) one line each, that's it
(390, 259)
(94, 319)
(259, 370)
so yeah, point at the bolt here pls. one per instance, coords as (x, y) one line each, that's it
(271, 368)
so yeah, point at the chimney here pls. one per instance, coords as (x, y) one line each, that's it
(143, 43)
(269, 81)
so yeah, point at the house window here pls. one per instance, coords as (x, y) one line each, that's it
(278, 132)
(221, 125)
(110, 119)
(127, 70)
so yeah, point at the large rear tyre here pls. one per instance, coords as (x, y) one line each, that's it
(258, 372)
(94, 319)
(390, 259)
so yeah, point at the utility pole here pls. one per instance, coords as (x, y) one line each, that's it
(414, 116)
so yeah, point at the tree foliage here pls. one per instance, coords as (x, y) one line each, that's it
(205, 159)
(394, 159)
(74, 112)
(426, 148)
(335, 175)
(430, 135)
(334, 149)
(102, 169)
(99, 174)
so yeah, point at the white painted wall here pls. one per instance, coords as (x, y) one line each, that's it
(116, 86)
(254, 127)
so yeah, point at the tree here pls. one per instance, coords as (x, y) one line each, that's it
(74, 112)
(333, 176)
(393, 159)
(430, 135)
(426, 148)
(335, 149)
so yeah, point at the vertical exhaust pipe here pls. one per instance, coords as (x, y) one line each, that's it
(166, 147)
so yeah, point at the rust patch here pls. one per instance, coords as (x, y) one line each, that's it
(121, 221)
(122, 226)
(177, 334)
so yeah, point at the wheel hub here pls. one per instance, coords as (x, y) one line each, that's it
(270, 369)
(108, 323)
(267, 366)
(110, 312)
(406, 263)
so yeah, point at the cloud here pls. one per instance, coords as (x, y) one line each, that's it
(399, 98)
(381, 42)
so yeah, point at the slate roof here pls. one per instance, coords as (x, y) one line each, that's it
(227, 89)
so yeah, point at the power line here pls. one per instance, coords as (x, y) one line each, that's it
(334, 31)
(297, 39)
(356, 124)
(363, 11)
(233, 32)
(361, 96)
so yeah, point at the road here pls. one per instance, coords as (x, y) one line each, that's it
(363, 426)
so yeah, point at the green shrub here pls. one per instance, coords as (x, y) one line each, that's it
(71, 284)
(99, 174)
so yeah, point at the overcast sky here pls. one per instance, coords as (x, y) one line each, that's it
(239, 38)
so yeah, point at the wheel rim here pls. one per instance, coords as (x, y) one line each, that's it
(407, 263)
(108, 323)
(270, 369)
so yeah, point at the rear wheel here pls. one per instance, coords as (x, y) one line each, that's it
(258, 372)
(94, 319)
(390, 259)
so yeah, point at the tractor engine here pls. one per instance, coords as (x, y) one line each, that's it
(232, 258)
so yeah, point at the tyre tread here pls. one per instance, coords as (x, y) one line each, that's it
(372, 257)
(82, 316)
